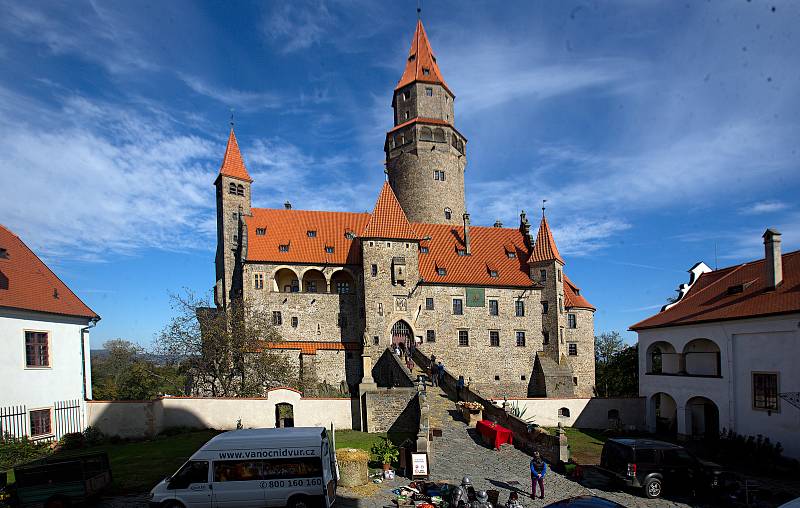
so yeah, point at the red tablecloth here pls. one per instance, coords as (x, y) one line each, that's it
(494, 435)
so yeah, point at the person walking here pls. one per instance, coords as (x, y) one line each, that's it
(410, 363)
(440, 373)
(460, 387)
(433, 369)
(538, 470)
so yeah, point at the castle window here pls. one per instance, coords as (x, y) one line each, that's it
(441, 272)
(371, 244)
(429, 91)
(261, 231)
(438, 175)
(494, 309)
(545, 307)
(511, 255)
(349, 235)
(560, 305)
(426, 72)
(463, 338)
(277, 319)
(232, 188)
(521, 339)
(572, 321)
(573, 349)
(343, 287)
(405, 95)
(543, 275)
(494, 338)
(458, 306)
(563, 412)
(311, 233)
(311, 286)
(447, 213)
(519, 308)
(575, 381)
(423, 250)
(329, 249)
(295, 321)
(493, 273)
(438, 136)
(36, 349)
(388, 244)
(380, 309)
(559, 276)
(376, 340)
(374, 270)
(40, 422)
(283, 247)
(522, 377)
(426, 134)
(430, 336)
(497, 378)
(240, 190)
(545, 337)
(765, 391)
(407, 115)
(429, 304)
(461, 252)
(259, 281)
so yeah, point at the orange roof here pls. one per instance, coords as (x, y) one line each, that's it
(545, 247)
(291, 227)
(27, 283)
(421, 65)
(487, 245)
(311, 347)
(573, 298)
(388, 220)
(232, 163)
(735, 292)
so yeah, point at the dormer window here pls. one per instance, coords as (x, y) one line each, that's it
(493, 273)
(283, 247)
(511, 255)
(461, 252)
(426, 71)
(329, 249)
(261, 231)
(3, 253)
(311, 233)
(441, 271)
(423, 249)
(349, 235)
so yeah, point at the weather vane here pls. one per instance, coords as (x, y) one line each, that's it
(231, 118)
(543, 207)
(419, 9)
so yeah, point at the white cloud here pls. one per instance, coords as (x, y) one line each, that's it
(297, 27)
(232, 97)
(764, 207)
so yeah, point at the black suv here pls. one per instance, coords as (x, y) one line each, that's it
(652, 465)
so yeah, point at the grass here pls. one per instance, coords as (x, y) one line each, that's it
(585, 445)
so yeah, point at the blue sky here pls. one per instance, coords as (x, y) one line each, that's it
(657, 131)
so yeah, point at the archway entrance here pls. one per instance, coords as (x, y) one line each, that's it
(401, 334)
(702, 418)
(284, 415)
(663, 414)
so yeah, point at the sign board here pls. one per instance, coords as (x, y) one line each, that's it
(419, 465)
(476, 297)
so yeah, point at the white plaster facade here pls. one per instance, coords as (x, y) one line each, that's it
(66, 378)
(746, 346)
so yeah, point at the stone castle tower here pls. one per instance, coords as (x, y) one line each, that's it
(425, 154)
(233, 205)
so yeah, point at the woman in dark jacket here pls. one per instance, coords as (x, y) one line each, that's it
(538, 470)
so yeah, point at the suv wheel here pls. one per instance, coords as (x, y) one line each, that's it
(652, 488)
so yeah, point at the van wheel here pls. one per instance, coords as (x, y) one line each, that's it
(300, 502)
(652, 488)
(57, 502)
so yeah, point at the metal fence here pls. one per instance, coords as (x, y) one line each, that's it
(67, 416)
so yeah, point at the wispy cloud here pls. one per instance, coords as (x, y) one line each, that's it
(296, 27)
(763, 207)
(232, 97)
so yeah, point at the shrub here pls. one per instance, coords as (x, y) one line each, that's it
(93, 436)
(385, 451)
(17, 451)
(72, 441)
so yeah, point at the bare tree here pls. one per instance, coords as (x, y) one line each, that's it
(225, 351)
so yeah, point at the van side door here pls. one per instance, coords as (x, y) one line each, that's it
(190, 485)
(238, 483)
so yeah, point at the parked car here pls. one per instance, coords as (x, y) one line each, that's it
(58, 481)
(293, 467)
(655, 465)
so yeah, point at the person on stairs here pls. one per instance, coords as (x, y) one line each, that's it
(538, 470)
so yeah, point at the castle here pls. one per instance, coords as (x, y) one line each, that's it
(493, 303)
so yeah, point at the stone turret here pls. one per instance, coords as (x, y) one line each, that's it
(233, 205)
(425, 154)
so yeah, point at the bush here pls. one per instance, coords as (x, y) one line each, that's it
(72, 441)
(93, 436)
(385, 451)
(18, 451)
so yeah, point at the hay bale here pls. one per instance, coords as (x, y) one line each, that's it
(353, 469)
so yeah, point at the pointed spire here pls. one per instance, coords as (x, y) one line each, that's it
(388, 219)
(232, 163)
(545, 247)
(421, 64)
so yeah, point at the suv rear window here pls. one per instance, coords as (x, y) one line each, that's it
(645, 456)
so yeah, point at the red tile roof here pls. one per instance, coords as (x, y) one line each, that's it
(232, 163)
(291, 227)
(487, 245)
(27, 283)
(710, 299)
(420, 60)
(388, 219)
(572, 297)
(544, 249)
(311, 347)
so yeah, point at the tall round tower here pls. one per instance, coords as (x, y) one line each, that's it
(425, 154)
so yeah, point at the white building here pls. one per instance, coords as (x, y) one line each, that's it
(44, 347)
(725, 355)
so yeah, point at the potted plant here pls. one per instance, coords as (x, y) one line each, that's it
(471, 412)
(385, 452)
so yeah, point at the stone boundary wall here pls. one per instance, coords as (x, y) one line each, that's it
(552, 447)
(393, 410)
(136, 419)
(584, 413)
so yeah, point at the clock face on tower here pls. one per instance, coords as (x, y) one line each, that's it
(475, 297)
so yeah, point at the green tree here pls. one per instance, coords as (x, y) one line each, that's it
(126, 372)
(616, 366)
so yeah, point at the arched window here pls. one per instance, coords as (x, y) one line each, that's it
(438, 136)
(447, 213)
(240, 190)
(399, 140)
(656, 360)
(232, 188)
(426, 134)
(563, 412)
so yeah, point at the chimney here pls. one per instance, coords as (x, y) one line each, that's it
(498, 224)
(466, 234)
(287, 205)
(772, 258)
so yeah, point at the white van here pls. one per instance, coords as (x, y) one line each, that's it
(294, 467)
